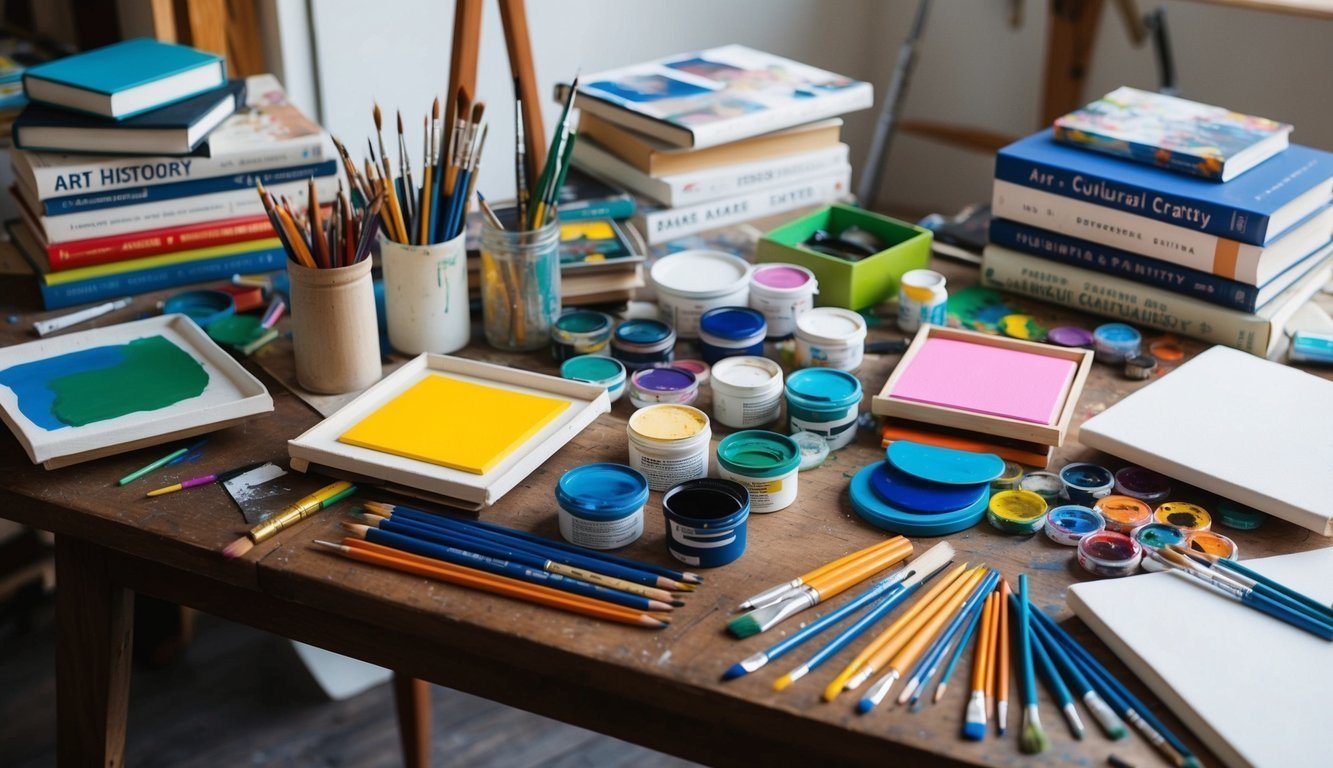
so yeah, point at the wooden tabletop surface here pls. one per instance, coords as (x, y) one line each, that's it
(568, 660)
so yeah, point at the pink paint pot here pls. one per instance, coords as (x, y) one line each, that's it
(781, 292)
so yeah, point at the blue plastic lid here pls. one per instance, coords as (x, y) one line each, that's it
(203, 306)
(593, 369)
(643, 331)
(825, 385)
(1116, 333)
(944, 465)
(874, 510)
(734, 323)
(602, 491)
(758, 453)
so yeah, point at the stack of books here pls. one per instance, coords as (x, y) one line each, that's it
(176, 202)
(599, 262)
(1168, 214)
(718, 137)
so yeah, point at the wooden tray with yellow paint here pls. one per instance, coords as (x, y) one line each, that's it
(449, 429)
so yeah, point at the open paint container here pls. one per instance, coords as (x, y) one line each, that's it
(1108, 553)
(1123, 514)
(1009, 479)
(1211, 543)
(1142, 484)
(595, 369)
(668, 443)
(1190, 518)
(1018, 512)
(1085, 483)
(643, 344)
(766, 463)
(705, 521)
(1069, 524)
(1154, 536)
(580, 332)
(649, 386)
(601, 505)
(1047, 485)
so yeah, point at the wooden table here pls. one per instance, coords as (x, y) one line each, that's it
(660, 689)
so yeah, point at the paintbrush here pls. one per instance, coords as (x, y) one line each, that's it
(1105, 716)
(1002, 663)
(1033, 740)
(925, 668)
(957, 653)
(219, 477)
(520, 156)
(307, 506)
(777, 592)
(405, 173)
(316, 225)
(974, 721)
(1059, 690)
(488, 212)
(1259, 583)
(397, 229)
(426, 217)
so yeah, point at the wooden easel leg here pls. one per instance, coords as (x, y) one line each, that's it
(463, 57)
(412, 699)
(1069, 43)
(95, 633)
(514, 18)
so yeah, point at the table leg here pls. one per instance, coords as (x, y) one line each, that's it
(95, 632)
(412, 698)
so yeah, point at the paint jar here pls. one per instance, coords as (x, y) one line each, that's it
(690, 283)
(1155, 536)
(824, 401)
(702, 373)
(1009, 479)
(595, 369)
(1238, 516)
(829, 337)
(1143, 484)
(520, 285)
(643, 344)
(1047, 485)
(1115, 343)
(747, 392)
(1107, 553)
(1070, 523)
(1122, 513)
(921, 299)
(782, 292)
(601, 505)
(705, 521)
(668, 443)
(662, 385)
(731, 332)
(1190, 518)
(766, 463)
(580, 332)
(1212, 543)
(814, 449)
(1017, 512)
(425, 296)
(1085, 483)
(335, 336)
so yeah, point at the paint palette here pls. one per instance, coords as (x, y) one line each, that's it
(471, 474)
(104, 391)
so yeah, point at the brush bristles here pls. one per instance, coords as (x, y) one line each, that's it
(238, 548)
(734, 671)
(782, 682)
(1106, 717)
(744, 626)
(1034, 740)
(379, 118)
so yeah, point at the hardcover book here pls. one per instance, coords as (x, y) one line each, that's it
(719, 95)
(1173, 133)
(584, 197)
(126, 78)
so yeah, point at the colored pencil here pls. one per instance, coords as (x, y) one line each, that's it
(218, 477)
(162, 462)
(400, 561)
(289, 516)
(974, 722)
(957, 653)
(1033, 740)
(1002, 662)
(775, 593)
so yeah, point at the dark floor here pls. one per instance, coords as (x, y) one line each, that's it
(240, 697)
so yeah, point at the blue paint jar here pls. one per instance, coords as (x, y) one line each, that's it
(643, 344)
(825, 401)
(595, 369)
(580, 332)
(732, 332)
(705, 521)
(601, 505)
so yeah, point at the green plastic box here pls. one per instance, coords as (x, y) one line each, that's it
(850, 284)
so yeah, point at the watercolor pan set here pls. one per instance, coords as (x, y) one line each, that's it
(104, 391)
(451, 430)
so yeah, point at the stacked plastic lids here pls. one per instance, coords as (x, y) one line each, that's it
(923, 490)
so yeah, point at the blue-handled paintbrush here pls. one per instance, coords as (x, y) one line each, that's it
(1033, 740)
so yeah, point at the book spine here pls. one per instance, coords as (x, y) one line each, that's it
(1124, 300)
(112, 173)
(1176, 210)
(794, 112)
(57, 206)
(104, 250)
(129, 283)
(1127, 231)
(1139, 152)
(705, 186)
(615, 208)
(171, 213)
(1113, 261)
(663, 225)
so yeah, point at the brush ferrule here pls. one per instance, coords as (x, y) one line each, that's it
(1031, 716)
(754, 662)
(855, 680)
(976, 710)
(798, 673)
(769, 596)
(1075, 722)
(1106, 717)
(794, 604)
(1002, 715)
(881, 688)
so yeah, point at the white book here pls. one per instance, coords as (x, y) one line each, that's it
(711, 184)
(1252, 688)
(1247, 429)
(664, 224)
(1243, 262)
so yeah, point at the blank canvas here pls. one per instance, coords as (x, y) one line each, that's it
(986, 379)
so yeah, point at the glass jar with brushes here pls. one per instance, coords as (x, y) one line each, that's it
(520, 281)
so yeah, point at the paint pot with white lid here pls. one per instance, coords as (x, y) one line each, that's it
(782, 292)
(829, 337)
(690, 283)
(921, 299)
(668, 443)
(747, 392)
(766, 463)
(601, 505)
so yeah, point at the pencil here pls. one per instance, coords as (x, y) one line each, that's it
(162, 462)
(367, 552)
(316, 225)
(291, 515)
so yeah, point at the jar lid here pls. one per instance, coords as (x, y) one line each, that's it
(746, 371)
(824, 385)
(758, 453)
(782, 277)
(831, 324)
(593, 369)
(643, 331)
(668, 421)
(700, 273)
(663, 380)
(602, 491)
(733, 323)
(814, 449)
(582, 321)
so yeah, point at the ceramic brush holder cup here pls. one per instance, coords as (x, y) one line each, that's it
(425, 296)
(335, 336)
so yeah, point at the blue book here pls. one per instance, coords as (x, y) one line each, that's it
(126, 78)
(175, 130)
(1254, 208)
(1147, 270)
(154, 192)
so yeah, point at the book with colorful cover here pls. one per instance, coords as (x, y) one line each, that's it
(1173, 133)
(583, 197)
(1254, 208)
(594, 243)
(75, 254)
(720, 95)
